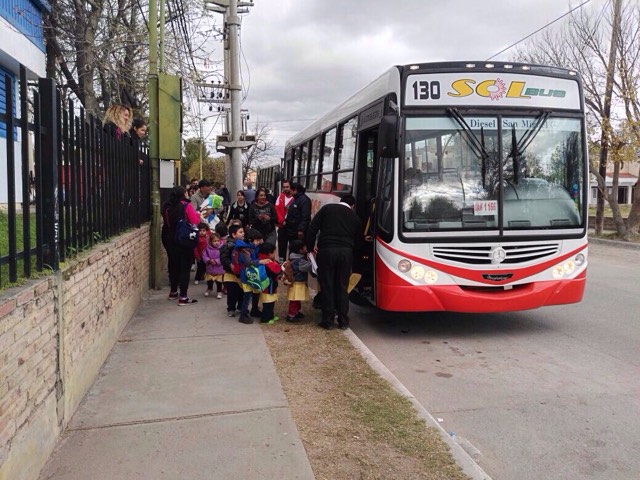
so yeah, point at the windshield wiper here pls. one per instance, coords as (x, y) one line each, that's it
(518, 148)
(477, 146)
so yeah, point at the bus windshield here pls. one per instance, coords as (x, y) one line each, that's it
(454, 178)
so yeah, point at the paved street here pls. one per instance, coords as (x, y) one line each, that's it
(551, 393)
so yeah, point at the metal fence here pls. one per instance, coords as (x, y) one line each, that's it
(80, 185)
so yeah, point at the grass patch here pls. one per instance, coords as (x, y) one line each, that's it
(351, 421)
(4, 248)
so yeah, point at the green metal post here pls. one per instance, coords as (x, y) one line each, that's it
(154, 148)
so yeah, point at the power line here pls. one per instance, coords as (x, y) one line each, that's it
(538, 30)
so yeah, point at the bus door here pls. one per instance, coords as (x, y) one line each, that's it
(365, 192)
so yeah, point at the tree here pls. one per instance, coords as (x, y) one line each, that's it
(260, 153)
(582, 44)
(95, 51)
(194, 150)
(212, 169)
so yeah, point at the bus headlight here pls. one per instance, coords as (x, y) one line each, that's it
(569, 267)
(404, 265)
(580, 259)
(417, 272)
(431, 277)
(558, 272)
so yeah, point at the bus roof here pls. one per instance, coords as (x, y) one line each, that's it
(389, 82)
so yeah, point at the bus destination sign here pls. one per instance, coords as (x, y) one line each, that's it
(491, 89)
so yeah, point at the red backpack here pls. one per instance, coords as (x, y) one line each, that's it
(236, 266)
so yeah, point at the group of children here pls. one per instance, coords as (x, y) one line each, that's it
(243, 267)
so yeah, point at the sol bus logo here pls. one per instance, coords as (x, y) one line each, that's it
(495, 89)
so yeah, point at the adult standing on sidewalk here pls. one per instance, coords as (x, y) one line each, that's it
(282, 205)
(262, 216)
(340, 228)
(204, 190)
(298, 214)
(180, 258)
(250, 194)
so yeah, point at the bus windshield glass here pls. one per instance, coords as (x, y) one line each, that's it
(455, 179)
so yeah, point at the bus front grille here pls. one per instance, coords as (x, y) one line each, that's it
(484, 255)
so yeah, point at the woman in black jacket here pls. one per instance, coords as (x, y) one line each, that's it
(239, 210)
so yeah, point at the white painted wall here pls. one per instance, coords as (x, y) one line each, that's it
(3, 171)
(15, 48)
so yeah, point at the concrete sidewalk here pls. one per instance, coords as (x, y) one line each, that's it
(186, 393)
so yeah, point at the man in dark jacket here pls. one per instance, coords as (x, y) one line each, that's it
(298, 213)
(340, 229)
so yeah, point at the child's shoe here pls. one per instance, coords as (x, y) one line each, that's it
(245, 319)
(231, 313)
(173, 295)
(219, 295)
(207, 293)
(196, 282)
(186, 301)
(295, 319)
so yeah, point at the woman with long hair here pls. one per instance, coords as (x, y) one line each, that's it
(180, 258)
(118, 120)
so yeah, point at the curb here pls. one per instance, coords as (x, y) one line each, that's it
(462, 458)
(614, 243)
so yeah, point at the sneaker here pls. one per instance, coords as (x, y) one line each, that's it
(246, 320)
(186, 301)
(207, 293)
(173, 295)
(299, 315)
(291, 319)
(196, 282)
(219, 295)
(231, 314)
(256, 313)
(271, 321)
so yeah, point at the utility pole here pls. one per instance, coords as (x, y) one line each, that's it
(154, 147)
(606, 115)
(237, 140)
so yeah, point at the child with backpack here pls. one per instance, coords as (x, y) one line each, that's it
(215, 270)
(231, 274)
(269, 295)
(245, 258)
(203, 240)
(298, 290)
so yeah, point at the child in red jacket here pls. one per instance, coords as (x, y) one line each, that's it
(203, 240)
(269, 295)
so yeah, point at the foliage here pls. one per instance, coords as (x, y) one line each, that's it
(212, 169)
(194, 148)
(584, 44)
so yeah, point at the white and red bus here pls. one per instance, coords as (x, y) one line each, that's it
(471, 179)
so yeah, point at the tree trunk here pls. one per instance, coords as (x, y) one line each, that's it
(606, 116)
(633, 222)
(613, 202)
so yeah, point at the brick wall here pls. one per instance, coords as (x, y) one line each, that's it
(55, 334)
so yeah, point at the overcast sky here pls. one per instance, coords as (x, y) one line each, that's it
(301, 58)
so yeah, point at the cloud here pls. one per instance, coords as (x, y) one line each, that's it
(303, 58)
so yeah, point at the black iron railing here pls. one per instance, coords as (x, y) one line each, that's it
(81, 184)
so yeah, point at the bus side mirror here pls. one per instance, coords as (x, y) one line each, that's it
(388, 136)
